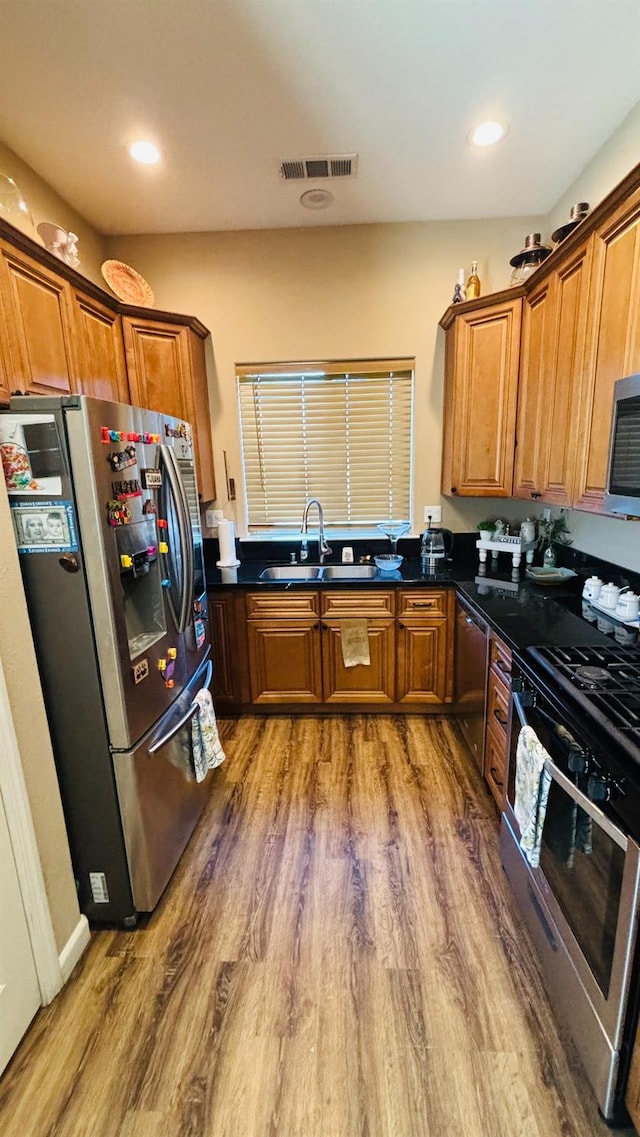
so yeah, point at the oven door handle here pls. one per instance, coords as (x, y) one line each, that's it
(570, 787)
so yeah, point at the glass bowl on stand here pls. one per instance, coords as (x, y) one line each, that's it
(394, 530)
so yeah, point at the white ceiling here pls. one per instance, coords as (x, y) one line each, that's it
(228, 88)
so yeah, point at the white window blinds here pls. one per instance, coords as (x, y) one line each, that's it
(338, 432)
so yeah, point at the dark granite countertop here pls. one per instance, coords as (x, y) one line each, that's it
(523, 613)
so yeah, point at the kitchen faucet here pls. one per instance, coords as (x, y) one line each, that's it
(323, 548)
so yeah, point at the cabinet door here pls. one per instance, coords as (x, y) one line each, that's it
(230, 682)
(613, 340)
(424, 657)
(38, 326)
(495, 765)
(284, 661)
(559, 426)
(199, 415)
(360, 684)
(102, 370)
(166, 370)
(481, 382)
(158, 365)
(532, 418)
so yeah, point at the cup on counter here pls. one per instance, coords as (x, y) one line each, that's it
(608, 596)
(628, 606)
(592, 588)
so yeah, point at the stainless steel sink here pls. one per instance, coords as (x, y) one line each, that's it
(291, 572)
(348, 572)
(318, 572)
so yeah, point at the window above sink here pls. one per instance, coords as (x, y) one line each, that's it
(340, 432)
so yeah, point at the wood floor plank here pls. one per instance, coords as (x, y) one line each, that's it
(337, 955)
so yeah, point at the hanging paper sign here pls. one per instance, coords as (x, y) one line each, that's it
(152, 479)
(120, 459)
(45, 526)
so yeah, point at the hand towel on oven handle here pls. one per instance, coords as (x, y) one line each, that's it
(531, 792)
(205, 740)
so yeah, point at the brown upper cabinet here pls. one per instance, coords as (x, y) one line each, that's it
(61, 334)
(38, 327)
(481, 390)
(166, 369)
(613, 341)
(102, 370)
(551, 371)
(580, 332)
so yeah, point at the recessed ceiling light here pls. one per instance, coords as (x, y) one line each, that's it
(145, 152)
(316, 198)
(487, 134)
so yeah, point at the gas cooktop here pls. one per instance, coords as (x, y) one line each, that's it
(604, 681)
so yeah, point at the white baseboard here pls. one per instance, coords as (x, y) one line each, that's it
(74, 948)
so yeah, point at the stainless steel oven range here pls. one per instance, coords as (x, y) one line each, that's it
(579, 897)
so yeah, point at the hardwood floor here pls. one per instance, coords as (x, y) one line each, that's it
(337, 955)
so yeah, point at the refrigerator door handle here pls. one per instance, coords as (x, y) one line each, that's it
(193, 709)
(184, 528)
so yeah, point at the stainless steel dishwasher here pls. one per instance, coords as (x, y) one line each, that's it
(472, 646)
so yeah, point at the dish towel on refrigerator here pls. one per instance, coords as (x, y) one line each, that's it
(532, 792)
(205, 740)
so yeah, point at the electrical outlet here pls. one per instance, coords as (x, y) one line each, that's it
(434, 512)
(212, 517)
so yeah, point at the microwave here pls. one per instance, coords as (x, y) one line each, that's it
(622, 494)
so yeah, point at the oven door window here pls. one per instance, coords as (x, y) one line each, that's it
(584, 868)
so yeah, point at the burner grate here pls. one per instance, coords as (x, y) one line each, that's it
(604, 681)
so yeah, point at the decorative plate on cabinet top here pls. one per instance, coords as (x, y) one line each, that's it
(127, 284)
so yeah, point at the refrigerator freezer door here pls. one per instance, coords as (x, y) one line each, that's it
(160, 799)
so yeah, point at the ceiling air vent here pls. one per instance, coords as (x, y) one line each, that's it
(333, 166)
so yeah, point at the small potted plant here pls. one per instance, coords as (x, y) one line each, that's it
(552, 531)
(486, 529)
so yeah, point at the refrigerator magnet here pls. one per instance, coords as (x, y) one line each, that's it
(44, 526)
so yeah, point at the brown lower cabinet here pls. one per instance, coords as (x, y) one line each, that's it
(497, 730)
(273, 648)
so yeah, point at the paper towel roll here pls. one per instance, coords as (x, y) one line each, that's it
(227, 540)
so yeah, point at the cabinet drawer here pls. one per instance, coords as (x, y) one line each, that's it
(500, 659)
(358, 602)
(498, 705)
(495, 764)
(432, 603)
(286, 605)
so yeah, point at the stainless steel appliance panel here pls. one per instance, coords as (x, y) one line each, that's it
(599, 1057)
(160, 799)
(471, 662)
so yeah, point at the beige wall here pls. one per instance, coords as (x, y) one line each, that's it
(362, 291)
(25, 697)
(45, 205)
(337, 293)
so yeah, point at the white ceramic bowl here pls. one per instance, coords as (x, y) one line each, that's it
(388, 562)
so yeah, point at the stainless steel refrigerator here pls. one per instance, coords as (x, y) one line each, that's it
(105, 510)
